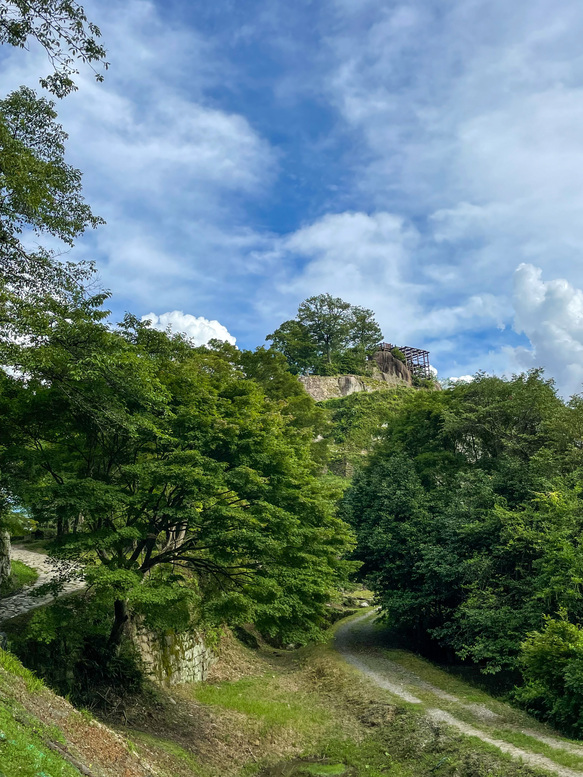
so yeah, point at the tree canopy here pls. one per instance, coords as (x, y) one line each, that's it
(469, 517)
(327, 336)
(173, 475)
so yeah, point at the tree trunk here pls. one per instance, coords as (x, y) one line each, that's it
(5, 568)
(120, 623)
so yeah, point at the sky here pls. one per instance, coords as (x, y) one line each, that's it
(423, 159)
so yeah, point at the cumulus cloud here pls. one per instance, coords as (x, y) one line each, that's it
(550, 314)
(162, 162)
(461, 379)
(200, 330)
(369, 260)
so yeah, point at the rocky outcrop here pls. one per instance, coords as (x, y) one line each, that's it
(392, 368)
(322, 387)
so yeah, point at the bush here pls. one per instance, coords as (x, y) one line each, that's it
(552, 665)
(398, 354)
(66, 644)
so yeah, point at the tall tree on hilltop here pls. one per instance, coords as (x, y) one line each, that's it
(328, 335)
(327, 320)
(365, 333)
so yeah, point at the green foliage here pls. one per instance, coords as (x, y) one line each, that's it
(328, 337)
(40, 192)
(21, 575)
(67, 644)
(398, 354)
(356, 423)
(469, 517)
(62, 29)
(552, 662)
(183, 478)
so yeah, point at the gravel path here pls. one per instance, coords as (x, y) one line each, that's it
(358, 643)
(22, 602)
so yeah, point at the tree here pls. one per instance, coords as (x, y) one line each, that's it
(62, 29)
(327, 320)
(41, 192)
(365, 333)
(173, 477)
(293, 340)
(328, 336)
(468, 516)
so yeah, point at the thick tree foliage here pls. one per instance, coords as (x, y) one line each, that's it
(180, 477)
(328, 336)
(469, 520)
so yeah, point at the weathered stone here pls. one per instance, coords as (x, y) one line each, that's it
(172, 658)
(5, 568)
(322, 387)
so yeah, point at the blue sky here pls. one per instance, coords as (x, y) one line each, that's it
(424, 159)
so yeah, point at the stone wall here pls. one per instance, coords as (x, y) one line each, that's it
(172, 658)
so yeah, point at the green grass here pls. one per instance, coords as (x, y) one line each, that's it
(12, 665)
(526, 742)
(170, 747)
(267, 699)
(23, 753)
(21, 575)
(326, 769)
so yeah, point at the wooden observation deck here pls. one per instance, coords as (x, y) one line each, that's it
(417, 358)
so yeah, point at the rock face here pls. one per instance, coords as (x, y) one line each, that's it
(394, 368)
(387, 372)
(4, 556)
(172, 658)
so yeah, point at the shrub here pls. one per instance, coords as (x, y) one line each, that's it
(398, 354)
(552, 665)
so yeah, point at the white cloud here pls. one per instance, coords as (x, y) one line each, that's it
(200, 330)
(370, 260)
(462, 379)
(550, 314)
(163, 164)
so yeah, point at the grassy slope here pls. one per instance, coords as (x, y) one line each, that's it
(274, 713)
(42, 735)
(282, 714)
(21, 575)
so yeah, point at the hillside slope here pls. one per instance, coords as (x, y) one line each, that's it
(42, 735)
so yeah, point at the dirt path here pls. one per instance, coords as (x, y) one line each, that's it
(22, 602)
(359, 643)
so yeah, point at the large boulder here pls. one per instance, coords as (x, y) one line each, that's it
(390, 367)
